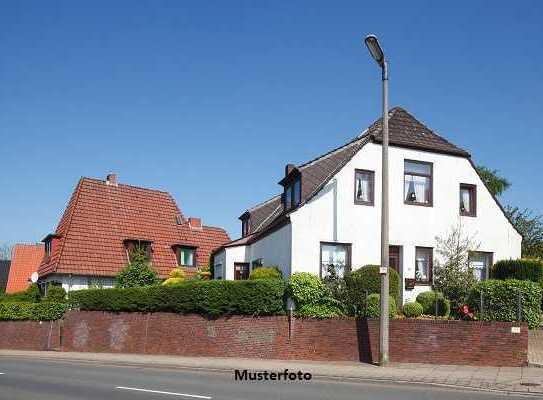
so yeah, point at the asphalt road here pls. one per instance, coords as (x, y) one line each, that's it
(27, 379)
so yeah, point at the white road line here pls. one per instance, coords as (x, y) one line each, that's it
(196, 396)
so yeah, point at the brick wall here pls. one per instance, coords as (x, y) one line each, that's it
(426, 341)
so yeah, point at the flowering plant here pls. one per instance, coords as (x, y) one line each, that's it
(466, 313)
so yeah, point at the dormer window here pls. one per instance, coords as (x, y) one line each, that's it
(186, 256)
(293, 193)
(132, 246)
(245, 227)
(48, 247)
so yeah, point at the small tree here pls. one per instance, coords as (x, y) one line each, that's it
(336, 285)
(177, 276)
(138, 272)
(453, 275)
(530, 227)
(495, 183)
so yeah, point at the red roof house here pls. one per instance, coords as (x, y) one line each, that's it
(25, 259)
(105, 219)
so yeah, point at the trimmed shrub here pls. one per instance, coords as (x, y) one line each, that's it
(55, 294)
(428, 302)
(500, 301)
(30, 295)
(523, 269)
(327, 308)
(266, 273)
(305, 288)
(210, 298)
(367, 280)
(412, 310)
(45, 311)
(177, 276)
(138, 272)
(373, 306)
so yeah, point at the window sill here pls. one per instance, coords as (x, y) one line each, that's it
(468, 215)
(410, 203)
(364, 203)
(423, 283)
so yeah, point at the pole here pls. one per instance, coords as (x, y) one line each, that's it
(383, 339)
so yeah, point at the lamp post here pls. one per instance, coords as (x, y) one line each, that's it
(377, 53)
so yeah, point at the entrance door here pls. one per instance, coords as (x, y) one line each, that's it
(394, 258)
(241, 271)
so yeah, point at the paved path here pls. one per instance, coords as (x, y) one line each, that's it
(71, 379)
(512, 380)
(535, 347)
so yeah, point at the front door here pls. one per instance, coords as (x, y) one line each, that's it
(241, 271)
(394, 258)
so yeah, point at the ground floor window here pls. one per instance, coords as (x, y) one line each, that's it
(241, 271)
(423, 265)
(336, 257)
(481, 262)
(256, 263)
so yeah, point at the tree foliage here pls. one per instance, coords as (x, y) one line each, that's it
(530, 226)
(453, 276)
(495, 183)
(138, 272)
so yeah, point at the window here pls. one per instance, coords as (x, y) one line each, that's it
(241, 271)
(244, 227)
(293, 194)
(186, 256)
(364, 187)
(48, 247)
(336, 256)
(133, 246)
(468, 200)
(423, 265)
(480, 262)
(256, 263)
(418, 183)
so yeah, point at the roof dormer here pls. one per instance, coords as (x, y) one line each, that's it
(292, 183)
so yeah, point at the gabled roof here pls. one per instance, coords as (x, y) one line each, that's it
(100, 217)
(404, 131)
(25, 259)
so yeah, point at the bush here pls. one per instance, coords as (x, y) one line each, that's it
(210, 298)
(428, 302)
(305, 288)
(523, 269)
(326, 308)
(500, 301)
(412, 310)
(367, 280)
(266, 273)
(46, 311)
(138, 272)
(30, 295)
(177, 276)
(373, 306)
(55, 294)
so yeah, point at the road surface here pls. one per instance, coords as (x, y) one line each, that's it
(25, 379)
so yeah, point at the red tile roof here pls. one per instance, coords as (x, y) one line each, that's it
(25, 259)
(90, 236)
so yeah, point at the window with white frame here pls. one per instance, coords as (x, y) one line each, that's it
(418, 183)
(481, 262)
(364, 187)
(336, 256)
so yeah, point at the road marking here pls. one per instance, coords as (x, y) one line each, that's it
(196, 396)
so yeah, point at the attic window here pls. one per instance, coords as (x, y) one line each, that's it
(468, 200)
(293, 193)
(48, 247)
(245, 227)
(186, 256)
(135, 246)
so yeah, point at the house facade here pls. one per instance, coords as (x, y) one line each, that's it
(105, 220)
(329, 211)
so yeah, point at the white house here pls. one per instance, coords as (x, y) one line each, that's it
(329, 210)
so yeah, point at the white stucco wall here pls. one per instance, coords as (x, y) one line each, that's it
(410, 226)
(219, 265)
(274, 249)
(78, 282)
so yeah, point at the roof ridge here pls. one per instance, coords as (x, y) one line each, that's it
(126, 185)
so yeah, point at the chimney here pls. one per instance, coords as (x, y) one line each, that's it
(195, 223)
(289, 168)
(111, 179)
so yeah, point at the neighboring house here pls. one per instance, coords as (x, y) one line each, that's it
(25, 260)
(329, 210)
(4, 274)
(104, 220)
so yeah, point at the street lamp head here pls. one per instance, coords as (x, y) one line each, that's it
(375, 49)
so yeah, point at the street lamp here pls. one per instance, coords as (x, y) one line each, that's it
(377, 53)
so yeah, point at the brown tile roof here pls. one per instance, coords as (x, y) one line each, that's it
(90, 236)
(404, 131)
(25, 259)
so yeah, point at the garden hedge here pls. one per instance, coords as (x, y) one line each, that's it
(367, 280)
(522, 269)
(500, 300)
(45, 311)
(428, 302)
(30, 295)
(209, 298)
(412, 309)
(266, 273)
(373, 307)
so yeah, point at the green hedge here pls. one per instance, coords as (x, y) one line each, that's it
(210, 298)
(521, 269)
(428, 302)
(367, 280)
(30, 295)
(500, 301)
(266, 273)
(373, 308)
(412, 310)
(46, 311)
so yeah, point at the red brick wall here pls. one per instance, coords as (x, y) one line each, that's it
(425, 341)
(29, 335)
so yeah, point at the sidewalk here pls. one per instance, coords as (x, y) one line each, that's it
(527, 380)
(535, 347)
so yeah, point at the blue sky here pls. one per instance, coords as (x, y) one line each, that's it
(209, 100)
